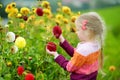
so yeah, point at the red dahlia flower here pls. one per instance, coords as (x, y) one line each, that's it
(57, 31)
(20, 70)
(29, 76)
(51, 46)
(39, 11)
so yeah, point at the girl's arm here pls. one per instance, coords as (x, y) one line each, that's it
(75, 62)
(61, 61)
(58, 58)
(66, 46)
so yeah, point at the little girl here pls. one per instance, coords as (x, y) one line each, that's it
(86, 58)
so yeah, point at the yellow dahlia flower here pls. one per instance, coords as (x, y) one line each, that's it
(66, 9)
(8, 8)
(47, 11)
(65, 21)
(15, 10)
(45, 4)
(13, 4)
(73, 18)
(11, 8)
(59, 16)
(24, 10)
(20, 42)
(112, 68)
(57, 22)
(13, 13)
(9, 63)
(19, 15)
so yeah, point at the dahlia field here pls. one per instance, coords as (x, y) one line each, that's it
(23, 41)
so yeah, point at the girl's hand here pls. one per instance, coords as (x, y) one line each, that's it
(61, 38)
(54, 53)
(57, 31)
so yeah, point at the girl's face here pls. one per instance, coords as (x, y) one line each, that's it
(84, 35)
(81, 34)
